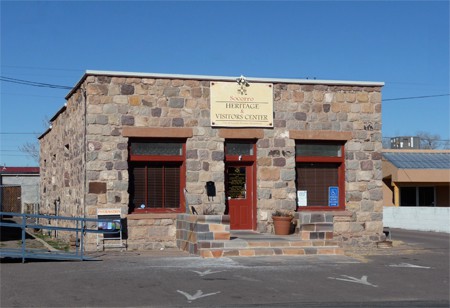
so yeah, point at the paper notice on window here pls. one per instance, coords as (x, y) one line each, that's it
(302, 199)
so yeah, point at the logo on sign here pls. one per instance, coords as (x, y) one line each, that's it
(333, 196)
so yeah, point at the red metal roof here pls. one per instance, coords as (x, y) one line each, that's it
(18, 170)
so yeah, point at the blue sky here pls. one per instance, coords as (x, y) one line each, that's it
(402, 43)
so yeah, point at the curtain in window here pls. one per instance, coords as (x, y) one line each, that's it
(156, 185)
(137, 185)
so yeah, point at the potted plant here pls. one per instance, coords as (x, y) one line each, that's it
(282, 222)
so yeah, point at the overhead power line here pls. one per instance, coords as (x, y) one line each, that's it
(42, 68)
(16, 133)
(14, 155)
(54, 86)
(414, 97)
(21, 94)
(33, 83)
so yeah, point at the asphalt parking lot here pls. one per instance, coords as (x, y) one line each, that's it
(414, 273)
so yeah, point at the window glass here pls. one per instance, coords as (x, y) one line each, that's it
(236, 182)
(155, 185)
(314, 180)
(426, 196)
(408, 196)
(172, 186)
(234, 148)
(156, 175)
(333, 150)
(157, 148)
(138, 189)
(320, 171)
(417, 196)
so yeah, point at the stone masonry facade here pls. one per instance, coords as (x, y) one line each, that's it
(62, 161)
(84, 157)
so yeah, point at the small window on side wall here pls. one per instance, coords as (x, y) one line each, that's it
(320, 168)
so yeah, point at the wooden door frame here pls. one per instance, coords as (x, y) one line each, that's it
(247, 161)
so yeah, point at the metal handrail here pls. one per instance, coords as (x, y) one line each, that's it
(80, 230)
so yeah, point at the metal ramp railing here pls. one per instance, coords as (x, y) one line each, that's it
(79, 227)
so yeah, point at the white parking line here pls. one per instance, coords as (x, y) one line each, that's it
(363, 280)
(197, 295)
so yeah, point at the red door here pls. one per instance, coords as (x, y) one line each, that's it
(240, 190)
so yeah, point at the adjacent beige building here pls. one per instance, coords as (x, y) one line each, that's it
(416, 178)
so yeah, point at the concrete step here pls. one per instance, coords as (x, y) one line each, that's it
(267, 246)
(269, 251)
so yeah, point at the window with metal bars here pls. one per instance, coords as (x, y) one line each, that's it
(157, 176)
(320, 166)
(316, 178)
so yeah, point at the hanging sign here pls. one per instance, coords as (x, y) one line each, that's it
(333, 196)
(241, 104)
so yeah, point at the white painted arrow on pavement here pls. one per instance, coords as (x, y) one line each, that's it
(197, 295)
(363, 280)
(409, 265)
(208, 272)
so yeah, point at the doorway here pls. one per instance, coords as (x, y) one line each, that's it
(240, 184)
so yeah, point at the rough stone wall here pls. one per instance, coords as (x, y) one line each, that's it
(352, 109)
(107, 150)
(114, 103)
(62, 162)
(117, 102)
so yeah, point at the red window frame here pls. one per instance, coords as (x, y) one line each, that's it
(324, 160)
(163, 160)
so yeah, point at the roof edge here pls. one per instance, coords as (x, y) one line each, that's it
(223, 78)
(44, 133)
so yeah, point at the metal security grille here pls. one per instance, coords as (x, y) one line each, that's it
(315, 179)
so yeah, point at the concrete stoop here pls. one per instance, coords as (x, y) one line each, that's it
(253, 244)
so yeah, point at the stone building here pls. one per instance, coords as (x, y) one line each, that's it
(157, 145)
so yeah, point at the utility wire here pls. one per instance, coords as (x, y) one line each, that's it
(17, 133)
(33, 83)
(54, 86)
(42, 68)
(21, 94)
(414, 97)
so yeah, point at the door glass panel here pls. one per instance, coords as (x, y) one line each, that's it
(232, 148)
(236, 183)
